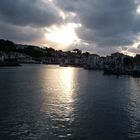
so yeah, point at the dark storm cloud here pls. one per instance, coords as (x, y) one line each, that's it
(105, 22)
(24, 20)
(28, 12)
(20, 34)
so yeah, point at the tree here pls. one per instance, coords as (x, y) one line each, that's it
(86, 54)
(7, 46)
(128, 61)
(77, 51)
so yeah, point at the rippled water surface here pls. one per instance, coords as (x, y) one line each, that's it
(40, 102)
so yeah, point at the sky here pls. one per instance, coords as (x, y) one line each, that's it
(97, 26)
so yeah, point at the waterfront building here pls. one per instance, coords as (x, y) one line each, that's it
(117, 59)
(137, 59)
(93, 60)
(102, 62)
(1, 57)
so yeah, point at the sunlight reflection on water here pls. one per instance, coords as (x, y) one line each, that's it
(58, 101)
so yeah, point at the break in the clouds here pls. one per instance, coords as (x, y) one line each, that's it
(103, 26)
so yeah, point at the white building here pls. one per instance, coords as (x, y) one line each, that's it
(1, 58)
(117, 59)
(93, 60)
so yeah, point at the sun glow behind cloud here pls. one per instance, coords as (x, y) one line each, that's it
(63, 35)
(138, 9)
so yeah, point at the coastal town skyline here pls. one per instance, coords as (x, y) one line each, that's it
(12, 54)
(93, 25)
(24, 45)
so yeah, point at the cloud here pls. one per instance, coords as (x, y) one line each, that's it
(106, 23)
(25, 20)
(134, 50)
(28, 13)
(20, 34)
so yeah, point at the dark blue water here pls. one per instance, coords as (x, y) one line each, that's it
(39, 102)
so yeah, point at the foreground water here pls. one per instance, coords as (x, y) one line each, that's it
(39, 102)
